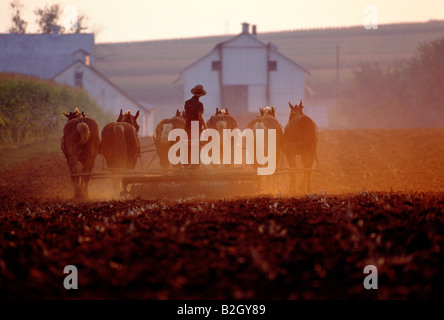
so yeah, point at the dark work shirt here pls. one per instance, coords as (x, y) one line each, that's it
(192, 109)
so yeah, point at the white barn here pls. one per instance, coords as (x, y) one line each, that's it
(79, 74)
(244, 74)
(69, 59)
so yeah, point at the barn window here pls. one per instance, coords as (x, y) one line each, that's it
(215, 65)
(272, 65)
(78, 79)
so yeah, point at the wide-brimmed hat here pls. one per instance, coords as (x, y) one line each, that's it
(198, 91)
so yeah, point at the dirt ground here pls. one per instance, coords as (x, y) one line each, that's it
(377, 200)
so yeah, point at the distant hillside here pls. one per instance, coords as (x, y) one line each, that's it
(148, 70)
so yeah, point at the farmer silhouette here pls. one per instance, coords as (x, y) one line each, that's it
(193, 112)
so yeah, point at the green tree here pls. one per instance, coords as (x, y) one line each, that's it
(81, 24)
(48, 17)
(18, 24)
(408, 94)
(426, 73)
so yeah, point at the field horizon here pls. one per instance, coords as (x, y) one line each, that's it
(150, 70)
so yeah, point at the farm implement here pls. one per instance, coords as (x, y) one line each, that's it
(207, 181)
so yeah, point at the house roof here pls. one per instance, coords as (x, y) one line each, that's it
(42, 55)
(260, 43)
(101, 75)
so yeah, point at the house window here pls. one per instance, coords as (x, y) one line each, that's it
(272, 65)
(215, 65)
(78, 79)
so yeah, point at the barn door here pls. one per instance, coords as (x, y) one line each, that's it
(235, 98)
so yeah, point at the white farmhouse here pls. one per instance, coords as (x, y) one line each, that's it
(69, 59)
(244, 74)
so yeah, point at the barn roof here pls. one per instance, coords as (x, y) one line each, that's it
(255, 39)
(101, 75)
(42, 55)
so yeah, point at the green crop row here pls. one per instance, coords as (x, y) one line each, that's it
(32, 109)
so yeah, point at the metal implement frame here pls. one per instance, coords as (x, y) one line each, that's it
(189, 174)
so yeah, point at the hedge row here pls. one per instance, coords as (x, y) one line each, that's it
(31, 109)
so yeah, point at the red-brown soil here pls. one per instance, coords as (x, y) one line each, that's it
(378, 200)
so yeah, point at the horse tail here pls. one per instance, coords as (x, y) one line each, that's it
(163, 144)
(85, 133)
(119, 134)
(315, 151)
(259, 125)
(221, 125)
(162, 140)
(316, 146)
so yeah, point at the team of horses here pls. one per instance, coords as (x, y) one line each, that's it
(298, 137)
(119, 145)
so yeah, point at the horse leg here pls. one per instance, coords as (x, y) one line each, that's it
(307, 163)
(76, 180)
(291, 158)
(87, 168)
(274, 177)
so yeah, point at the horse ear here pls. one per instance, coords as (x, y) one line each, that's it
(226, 111)
(217, 110)
(137, 114)
(66, 115)
(120, 116)
(291, 107)
(300, 104)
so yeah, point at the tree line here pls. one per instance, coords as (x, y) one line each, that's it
(47, 17)
(407, 94)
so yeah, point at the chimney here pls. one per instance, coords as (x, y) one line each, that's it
(254, 32)
(55, 30)
(245, 27)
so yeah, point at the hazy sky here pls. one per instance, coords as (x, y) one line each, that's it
(135, 20)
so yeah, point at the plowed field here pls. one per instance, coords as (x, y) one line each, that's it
(378, 200)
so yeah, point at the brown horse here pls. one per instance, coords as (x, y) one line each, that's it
(267, 120)
(120, 144)
(161, 138)
(301, 138)
(80, 144)
(221, 120)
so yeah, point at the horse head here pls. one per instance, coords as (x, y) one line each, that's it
(179, 114)
(75, 114)
(296, 110)
(221, 112)
(267, 111)
(128, 117)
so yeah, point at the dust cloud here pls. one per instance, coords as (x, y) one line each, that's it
(399, 160)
